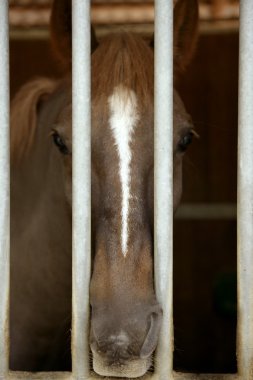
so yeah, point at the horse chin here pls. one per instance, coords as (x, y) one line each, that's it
(132, 369)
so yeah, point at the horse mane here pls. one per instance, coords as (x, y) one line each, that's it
(24, 112)
(123, 59)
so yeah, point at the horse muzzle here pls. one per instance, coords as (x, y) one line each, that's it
(122, 345)
(131, 369)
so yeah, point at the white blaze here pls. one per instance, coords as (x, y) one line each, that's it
(123, 119)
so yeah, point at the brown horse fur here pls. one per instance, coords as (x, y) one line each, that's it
(126, 316)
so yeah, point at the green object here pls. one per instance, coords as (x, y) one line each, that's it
(225, 295)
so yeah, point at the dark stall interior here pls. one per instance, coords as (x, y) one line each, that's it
(205, 224)
(205, 246)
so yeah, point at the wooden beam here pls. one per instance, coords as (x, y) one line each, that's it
(114, 13)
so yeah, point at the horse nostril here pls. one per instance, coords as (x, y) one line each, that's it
(119, 340)
(114, 347)
(151, 339)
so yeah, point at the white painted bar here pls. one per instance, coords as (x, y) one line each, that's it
(68, 376)
(81, 186)
(206, 376)
(245, 194)
(163, 182)
(4, 187)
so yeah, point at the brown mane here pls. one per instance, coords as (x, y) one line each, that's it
(24, 112)
(124, 59)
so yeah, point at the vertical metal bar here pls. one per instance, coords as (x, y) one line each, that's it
(4, 187)
(245, 194)
(81, 186)
(163, 180)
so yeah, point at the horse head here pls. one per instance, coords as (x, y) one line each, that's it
(125, 314)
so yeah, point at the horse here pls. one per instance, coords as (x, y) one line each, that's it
(125, 314)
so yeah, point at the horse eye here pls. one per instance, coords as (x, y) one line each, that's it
(60, 143)
(185, 141)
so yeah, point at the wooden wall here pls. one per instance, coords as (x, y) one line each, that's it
(205, 251)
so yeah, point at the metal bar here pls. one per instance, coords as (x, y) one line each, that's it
(205, 376)
(18, 375)
(68, 376)
(245, 194)
(81, 187)
(163, 181)
(4, 188)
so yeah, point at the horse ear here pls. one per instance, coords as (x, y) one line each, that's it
(61, 32)
(185, 32)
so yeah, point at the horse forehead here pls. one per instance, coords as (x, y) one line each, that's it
(123, 112)
(123, 118)
(126, 108)
(120, 119)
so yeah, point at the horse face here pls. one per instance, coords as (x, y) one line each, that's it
(126, 317)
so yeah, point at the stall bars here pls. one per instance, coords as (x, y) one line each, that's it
(163, 182)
